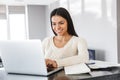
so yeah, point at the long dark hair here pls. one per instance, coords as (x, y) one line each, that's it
(65, 14)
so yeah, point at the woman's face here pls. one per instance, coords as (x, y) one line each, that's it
(59, 25)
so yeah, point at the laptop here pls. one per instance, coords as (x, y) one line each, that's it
(24, 57)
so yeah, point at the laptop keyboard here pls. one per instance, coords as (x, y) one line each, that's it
(50, 69)
(1, 65)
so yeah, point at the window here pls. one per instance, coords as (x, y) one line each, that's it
(3, 29)
(93, 6)
(3, 23)
(76, 7)
(64, 3)
(17, 22)
(17, 26)
(12, 23)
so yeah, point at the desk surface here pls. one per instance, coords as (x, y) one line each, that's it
(111, 74)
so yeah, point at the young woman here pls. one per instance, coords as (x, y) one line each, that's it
(65, 47)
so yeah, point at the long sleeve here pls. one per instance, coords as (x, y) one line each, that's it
(74, 52)
(81, 57)
(44, 44)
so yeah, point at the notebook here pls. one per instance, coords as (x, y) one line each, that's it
(24, 57)
(77, 69)
(102, 65)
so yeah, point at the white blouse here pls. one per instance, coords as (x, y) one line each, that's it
(74, 52)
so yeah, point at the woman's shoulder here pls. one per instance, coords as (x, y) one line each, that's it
(75, 38)
(47, 39)
(80, 40)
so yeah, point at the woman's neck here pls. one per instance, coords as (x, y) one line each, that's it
(61, 41)
(63, 38)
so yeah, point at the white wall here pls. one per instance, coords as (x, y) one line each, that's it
(98, 26)
(49, 8)
(96, 22)
(118, 28)
(36, 21)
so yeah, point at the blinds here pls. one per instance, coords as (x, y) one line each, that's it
(2, 12)
(16, 9)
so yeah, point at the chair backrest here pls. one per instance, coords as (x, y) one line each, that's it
(0, 59)
(91, 54)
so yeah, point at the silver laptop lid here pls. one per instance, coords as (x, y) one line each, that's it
(25, 57)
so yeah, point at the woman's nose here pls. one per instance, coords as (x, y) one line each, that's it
(58, 26)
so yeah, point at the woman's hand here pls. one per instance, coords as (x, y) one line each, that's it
(54, 64)
(51, 63)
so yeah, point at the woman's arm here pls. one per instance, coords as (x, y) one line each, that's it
(82, 56)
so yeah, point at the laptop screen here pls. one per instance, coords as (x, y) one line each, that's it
(23, 56)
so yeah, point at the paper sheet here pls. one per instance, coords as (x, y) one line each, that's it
(77, 69)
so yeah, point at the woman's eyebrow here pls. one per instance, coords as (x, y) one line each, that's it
(58, 21)
(62, 21)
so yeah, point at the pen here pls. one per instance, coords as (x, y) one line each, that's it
(90, 63)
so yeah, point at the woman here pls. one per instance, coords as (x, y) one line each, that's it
(65, 48)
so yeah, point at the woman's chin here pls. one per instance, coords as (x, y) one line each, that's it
(59, 34)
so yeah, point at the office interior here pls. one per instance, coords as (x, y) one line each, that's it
(97, 21)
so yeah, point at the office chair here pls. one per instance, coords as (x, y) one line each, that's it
(91, 54)
(0, 59)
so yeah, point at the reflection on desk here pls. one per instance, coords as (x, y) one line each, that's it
(25, 77)
(111, 74)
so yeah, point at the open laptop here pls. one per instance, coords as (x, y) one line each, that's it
(24, 57)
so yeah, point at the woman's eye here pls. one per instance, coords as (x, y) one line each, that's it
(53, 24)
(61, 23)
